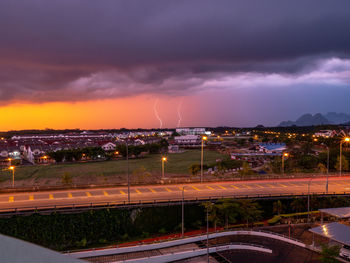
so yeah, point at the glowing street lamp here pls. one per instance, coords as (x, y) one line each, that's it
(284, 155)
(12, 168)
(204, 138)
(346, 139)
(164, 159)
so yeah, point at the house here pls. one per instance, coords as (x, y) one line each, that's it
(272, 147)
(109, 146)
(173, 149)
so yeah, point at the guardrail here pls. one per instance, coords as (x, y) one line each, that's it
(186, 180)
(194, 253)
(177, 242)
(76, 207)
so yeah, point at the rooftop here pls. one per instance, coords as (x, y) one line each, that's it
(340, 212)
(335, 231)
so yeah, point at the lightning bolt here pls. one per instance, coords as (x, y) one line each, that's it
(179, 114)
(156, 114)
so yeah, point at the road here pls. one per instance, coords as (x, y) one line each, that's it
(166, 192)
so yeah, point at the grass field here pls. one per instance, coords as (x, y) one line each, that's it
(178, 163)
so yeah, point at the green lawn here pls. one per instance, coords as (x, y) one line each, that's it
(178, 163)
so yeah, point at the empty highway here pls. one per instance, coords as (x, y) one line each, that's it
(169, 192)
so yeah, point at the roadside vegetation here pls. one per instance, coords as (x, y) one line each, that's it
(112, 226)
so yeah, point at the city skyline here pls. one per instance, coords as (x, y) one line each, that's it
(113, 64)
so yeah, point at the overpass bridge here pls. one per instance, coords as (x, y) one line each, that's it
(77, 200)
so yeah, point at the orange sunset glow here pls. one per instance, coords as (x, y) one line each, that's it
(133, 112)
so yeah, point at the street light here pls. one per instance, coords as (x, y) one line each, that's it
(346, 139)
(12, 168)
(204, 138)
(327, 166)
(164, 159)
(284, 155)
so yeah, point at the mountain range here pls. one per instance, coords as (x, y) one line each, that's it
(318, 119)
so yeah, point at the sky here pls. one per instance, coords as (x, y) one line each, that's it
(148, 64)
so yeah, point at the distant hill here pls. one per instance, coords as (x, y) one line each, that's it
(318, 119)
(337, 118)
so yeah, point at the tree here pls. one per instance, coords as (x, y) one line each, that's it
(344, 164)
(213, 213)
(277, 207)
(194, 169)
(246, 170)
(322, 168)
(329, 254)
(298, 205)
(228, 209)
(249, 210)
(307, 162)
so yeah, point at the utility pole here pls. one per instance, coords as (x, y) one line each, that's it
(183, 213)
(204, 138)
(127, 164)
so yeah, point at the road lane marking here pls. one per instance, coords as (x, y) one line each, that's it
(222, 187)
(69, 195)
(50, 196)
(195, 188)
(31, 197)
(137, 191)
(209, 187)
(234, 186)
(122, 192)
(258, 185)
(11, 199)
(247, 186)
(282, 185)
(181, 188)
(105, 193)
(88, 194)
(270, 185)
(152, 190)
(166, 188)
(293, 184)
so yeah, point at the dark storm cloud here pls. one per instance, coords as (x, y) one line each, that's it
(74, 50)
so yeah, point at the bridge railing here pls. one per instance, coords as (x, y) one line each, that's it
(153, 202)
(38, 187)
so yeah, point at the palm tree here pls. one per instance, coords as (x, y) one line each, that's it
(228, 209)
(249, 210)
(213, 213)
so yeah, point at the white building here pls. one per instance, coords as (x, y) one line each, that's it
(109, 146)
(192, 131)
(325, 133)
(188, 140)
